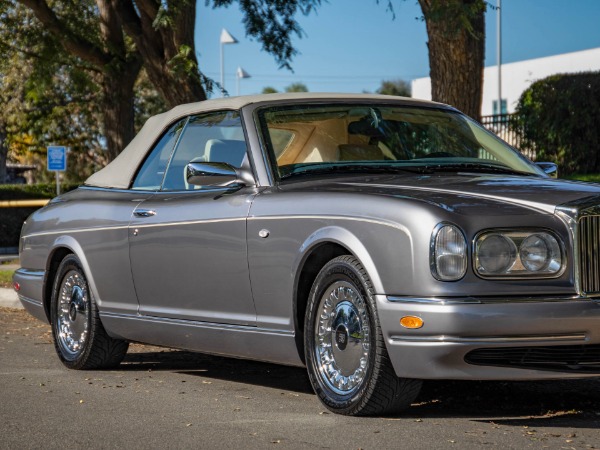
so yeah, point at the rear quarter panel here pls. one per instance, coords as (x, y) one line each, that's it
(93, 224)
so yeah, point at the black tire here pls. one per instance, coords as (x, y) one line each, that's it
(80, 340)
(347, 361)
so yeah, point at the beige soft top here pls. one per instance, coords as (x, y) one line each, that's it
(119, 173)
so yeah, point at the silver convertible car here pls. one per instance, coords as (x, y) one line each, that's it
(376, 240)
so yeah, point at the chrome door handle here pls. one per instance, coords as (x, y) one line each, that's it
(144, 213)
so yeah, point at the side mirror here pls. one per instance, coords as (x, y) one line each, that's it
(200, 173)
(549, 168)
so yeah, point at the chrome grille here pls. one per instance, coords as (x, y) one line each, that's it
(589, 254)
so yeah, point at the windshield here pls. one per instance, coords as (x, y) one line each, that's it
(307, 139)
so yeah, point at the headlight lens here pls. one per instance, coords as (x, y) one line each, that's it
(539, 253)
(449, 255)
(497, 254)
(518, 253)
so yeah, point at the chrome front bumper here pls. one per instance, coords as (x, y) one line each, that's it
(453, 328)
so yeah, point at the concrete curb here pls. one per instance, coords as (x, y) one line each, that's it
(9, 299)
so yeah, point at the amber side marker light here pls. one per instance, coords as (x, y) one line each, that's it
(412, 322)
(17, 286)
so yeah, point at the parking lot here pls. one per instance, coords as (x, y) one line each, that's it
(176, 399)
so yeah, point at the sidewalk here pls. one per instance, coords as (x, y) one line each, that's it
(9, 299)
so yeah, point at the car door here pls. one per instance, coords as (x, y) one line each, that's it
(187, 244)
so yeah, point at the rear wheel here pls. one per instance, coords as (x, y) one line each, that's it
(80, 340)
(346, 357)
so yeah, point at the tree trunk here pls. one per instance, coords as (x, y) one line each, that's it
(456, 31)
(118, 114)
(118, 78)
(168, 50)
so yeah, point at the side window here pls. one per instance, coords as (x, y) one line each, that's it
(151, 175)
(212, 137)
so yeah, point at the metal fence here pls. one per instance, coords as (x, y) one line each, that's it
(507, 127)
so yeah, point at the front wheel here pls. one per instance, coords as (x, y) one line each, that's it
(80, 340)
(346, 357)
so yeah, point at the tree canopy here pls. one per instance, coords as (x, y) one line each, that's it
(559, 116)
(395, 87)
(98, 49)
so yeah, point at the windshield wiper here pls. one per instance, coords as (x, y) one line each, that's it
(314, 169)
(476, 167)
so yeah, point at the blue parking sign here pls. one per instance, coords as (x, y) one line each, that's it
(57, 158)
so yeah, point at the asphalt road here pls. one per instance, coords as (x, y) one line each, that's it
(172, 399)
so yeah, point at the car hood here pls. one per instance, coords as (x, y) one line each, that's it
(542, 194)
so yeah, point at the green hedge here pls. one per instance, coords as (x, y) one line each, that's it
(560, 116)
(11, 219)
(32, 191)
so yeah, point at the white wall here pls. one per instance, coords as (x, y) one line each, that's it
(518, 76)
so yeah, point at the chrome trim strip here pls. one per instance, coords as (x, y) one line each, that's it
(134, 225)
(188, 222)
(31, 301)
(78, 230)
(40, 273)
(432, 300)
(549, 209)
(232, 219)
(340, 217)
(569, 216)
(106, 189)
(482, 300)
(199, 324)
(491, 339)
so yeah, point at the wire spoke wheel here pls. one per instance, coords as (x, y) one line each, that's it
(80, 340)
(346, 358)
(73, 318)
(342, 338)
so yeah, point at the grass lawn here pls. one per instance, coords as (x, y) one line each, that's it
(589, 177)
(6, 278)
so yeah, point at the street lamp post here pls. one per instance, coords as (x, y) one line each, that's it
(239, 74)
(226, 38)
(499, 55)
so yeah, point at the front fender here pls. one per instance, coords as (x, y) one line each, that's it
(344, 238)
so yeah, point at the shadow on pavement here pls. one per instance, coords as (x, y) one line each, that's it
(566, 403)
(230, 369)
(560, 403)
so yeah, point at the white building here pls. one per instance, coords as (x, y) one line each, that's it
(518, 76)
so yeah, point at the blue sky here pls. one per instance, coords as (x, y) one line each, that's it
(351, 45)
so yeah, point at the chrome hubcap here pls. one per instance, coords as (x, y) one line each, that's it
(73, 314)
(342, 338)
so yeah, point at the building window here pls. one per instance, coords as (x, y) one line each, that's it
(495, 107)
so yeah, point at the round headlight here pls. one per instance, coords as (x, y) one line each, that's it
(540, 252)
(496, 254)
(450, 254)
